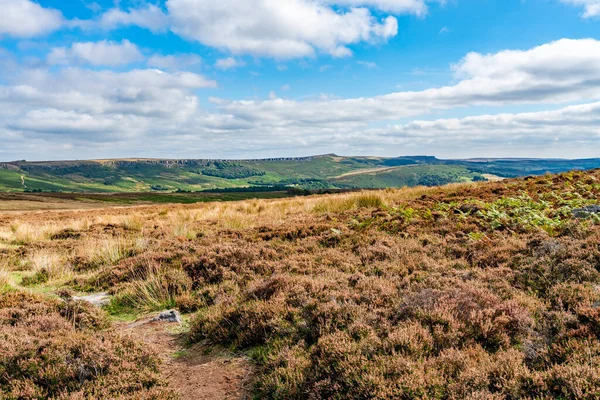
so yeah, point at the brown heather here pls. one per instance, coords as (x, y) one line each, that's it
(62, 350)
(470, 291)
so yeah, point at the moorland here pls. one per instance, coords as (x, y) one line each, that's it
(486, 290)
(159, 176)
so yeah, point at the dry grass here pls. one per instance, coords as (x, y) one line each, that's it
(153, 288)
(5, 277)
(96, 253)
(48, 266)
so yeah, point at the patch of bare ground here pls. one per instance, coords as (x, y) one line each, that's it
(196, 372)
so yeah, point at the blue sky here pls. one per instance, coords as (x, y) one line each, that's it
(265, 78)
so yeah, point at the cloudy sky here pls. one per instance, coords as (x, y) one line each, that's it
(268, 78)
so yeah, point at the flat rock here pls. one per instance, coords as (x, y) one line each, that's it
(168, 316)
(97, 299)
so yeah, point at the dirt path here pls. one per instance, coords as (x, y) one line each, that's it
(195, 374)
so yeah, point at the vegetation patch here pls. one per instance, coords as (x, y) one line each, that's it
(51, 350)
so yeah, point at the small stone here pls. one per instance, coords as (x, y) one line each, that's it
(168, 316)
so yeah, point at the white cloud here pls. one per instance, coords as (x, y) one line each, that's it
(558, 72)
(286, 87)
(101, 94)
(149, 16)
(591, 8)
(96, 53)
(367, 64)
(174, 61)
(158, 112)
(417, 7)
(229, 63)
(25, 18)
(277, 28)
(282, 29)
(577, 121)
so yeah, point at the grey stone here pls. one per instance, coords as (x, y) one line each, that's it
(586, 212)
(168, 316)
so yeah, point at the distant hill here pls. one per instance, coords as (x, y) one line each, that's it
(315, 172)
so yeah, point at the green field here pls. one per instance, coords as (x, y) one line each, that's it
(309, 173)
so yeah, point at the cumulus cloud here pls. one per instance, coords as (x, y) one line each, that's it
(25, 19)
(558, 72)
(591, 8)
(96, 53)
(74, 105)
(417, 7)
(281, 29)
(174, 61)
(572, 122)
(148, 16)
(571, 131)
(229, 63)
(36, 94)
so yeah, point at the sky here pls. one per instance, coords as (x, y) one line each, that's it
(84, 79)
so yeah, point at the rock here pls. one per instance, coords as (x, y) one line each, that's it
(168, 316)
(586, 212)
(97, 299)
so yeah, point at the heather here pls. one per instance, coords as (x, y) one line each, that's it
(479, 291)
(52, 349)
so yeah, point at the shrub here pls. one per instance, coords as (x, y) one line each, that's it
(49, 350)
(154, 288)
(369, 201)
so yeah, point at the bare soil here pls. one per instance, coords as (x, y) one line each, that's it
(193, 371)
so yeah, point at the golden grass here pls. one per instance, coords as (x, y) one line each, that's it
(185, 220)
(106, 252)
(51, 264)
(5, 277)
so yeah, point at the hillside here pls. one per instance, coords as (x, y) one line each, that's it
(312, 173)
(468, 291)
